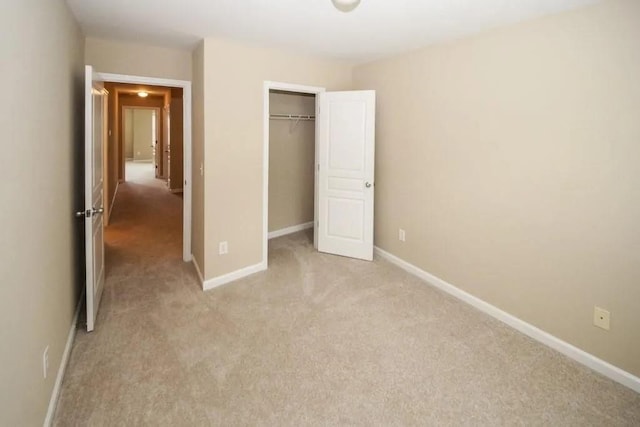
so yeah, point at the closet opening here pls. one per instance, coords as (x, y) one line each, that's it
(290, 161)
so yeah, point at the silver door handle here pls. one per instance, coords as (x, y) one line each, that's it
(368, 184)
(98, 211)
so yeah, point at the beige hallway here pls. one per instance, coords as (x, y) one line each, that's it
(315, 340)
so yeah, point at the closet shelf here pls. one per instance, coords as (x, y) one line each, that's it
(296, 117)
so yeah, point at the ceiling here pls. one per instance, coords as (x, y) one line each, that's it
(377, 28)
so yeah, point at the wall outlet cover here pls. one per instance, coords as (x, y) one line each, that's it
(601, 318)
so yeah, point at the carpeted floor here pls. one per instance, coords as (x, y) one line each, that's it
(315, 340)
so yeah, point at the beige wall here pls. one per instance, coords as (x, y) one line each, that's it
(197, 159)
(291, 159)
(143, 135)
(42, 78)
(118, 57)
(511, 159)
(233, 115)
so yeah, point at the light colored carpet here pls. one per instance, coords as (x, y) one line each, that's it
(315, 340)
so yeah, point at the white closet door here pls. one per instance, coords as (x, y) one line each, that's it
(346, 138)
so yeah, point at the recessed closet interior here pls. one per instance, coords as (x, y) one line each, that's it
(291, 161)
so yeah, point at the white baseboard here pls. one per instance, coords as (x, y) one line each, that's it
(143, 161)
(608, 370)
(234, 275)
(195, 264)
(289, 230)
(64, 361)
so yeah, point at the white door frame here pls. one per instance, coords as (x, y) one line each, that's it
(289, 87)
(186, 117)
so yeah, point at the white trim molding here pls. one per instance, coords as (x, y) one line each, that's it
(608, 370)
(290, 230)
(186, 119)
(198, 271)
(234, 275)
(289, 87)
(64, 361)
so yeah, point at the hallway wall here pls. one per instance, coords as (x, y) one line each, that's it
(109, 56)
(43, 75)
(143, 134)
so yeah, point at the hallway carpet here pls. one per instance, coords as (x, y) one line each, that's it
(315, 340)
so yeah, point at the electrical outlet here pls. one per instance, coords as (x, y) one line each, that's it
(601, 318)
(402, 236)
(45, 362)
(223, 248)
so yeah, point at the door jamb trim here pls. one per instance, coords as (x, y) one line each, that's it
(187, 144)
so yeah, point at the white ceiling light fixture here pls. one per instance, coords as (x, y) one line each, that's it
(345, 5)
(143, 94)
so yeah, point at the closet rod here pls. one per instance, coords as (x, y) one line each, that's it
(292, 117)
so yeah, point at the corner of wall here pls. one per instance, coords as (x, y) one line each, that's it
(197, 157)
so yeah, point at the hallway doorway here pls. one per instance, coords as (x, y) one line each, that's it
(172, 151)
(140, 134)
(144, 201)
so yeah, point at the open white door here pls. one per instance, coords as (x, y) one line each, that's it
(93, 198)
(346, 138)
